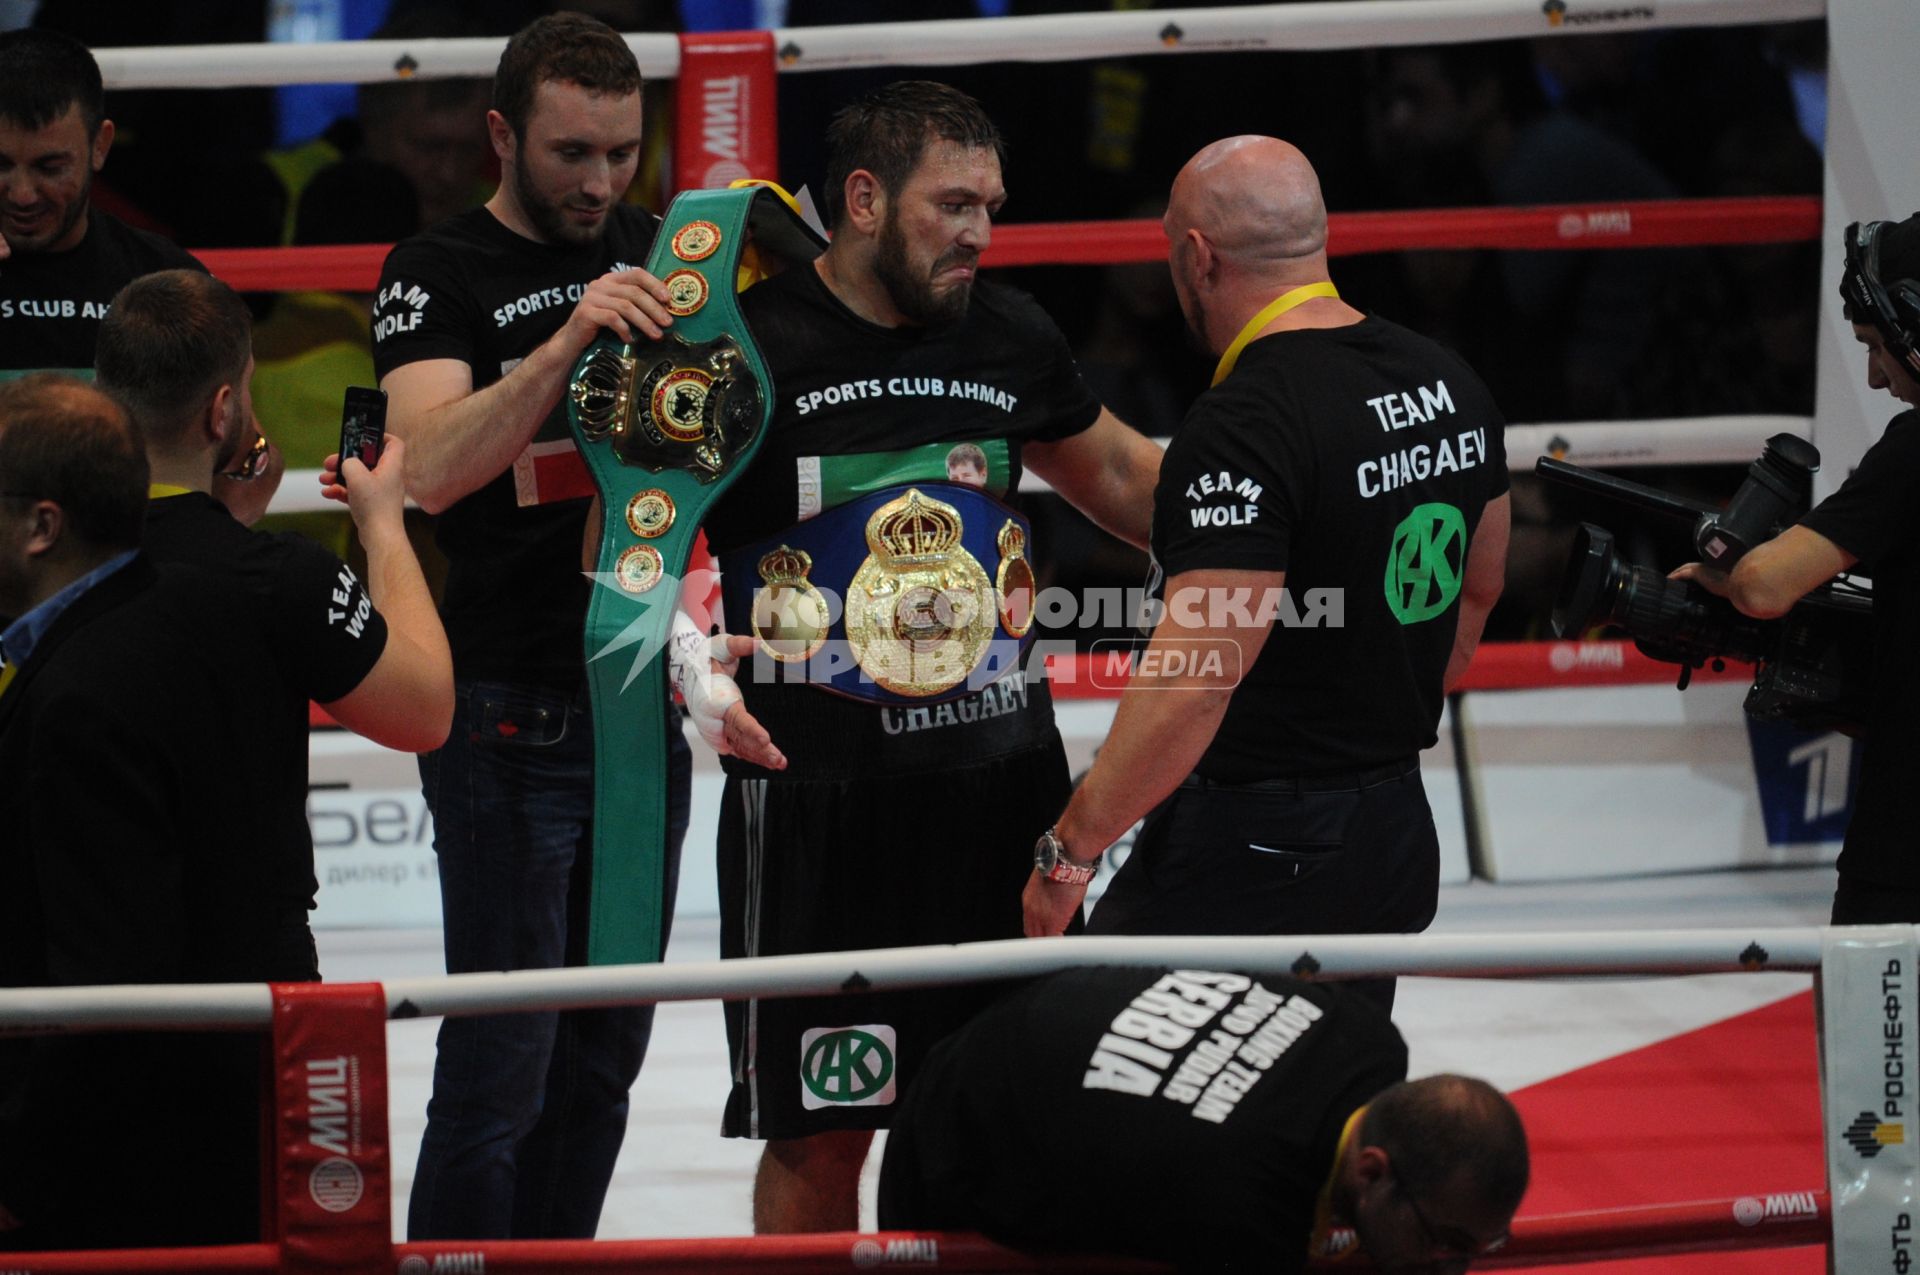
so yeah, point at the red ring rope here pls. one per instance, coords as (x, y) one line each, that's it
(1725, 1225)
(1652, 224)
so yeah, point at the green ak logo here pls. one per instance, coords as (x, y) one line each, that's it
(1426, 563)
(847, 1067)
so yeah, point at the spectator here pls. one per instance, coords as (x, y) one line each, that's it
(133, 844)
(175, 352)
(430, 131)
(61, 260)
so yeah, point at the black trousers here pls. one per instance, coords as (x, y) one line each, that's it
(1340, 854)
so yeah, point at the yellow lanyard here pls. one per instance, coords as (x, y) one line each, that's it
(6, 676)
(1279, 306)
(1323, 1206)
(160, 491)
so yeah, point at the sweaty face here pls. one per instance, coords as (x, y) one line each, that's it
(45, 175)
(936, 228)
(1884, 370)
(576, 160)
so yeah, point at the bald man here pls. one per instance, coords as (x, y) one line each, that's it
(1329, 533)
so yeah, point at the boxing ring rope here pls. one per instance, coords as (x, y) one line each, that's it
(1325, 24)
(1667, 223)
(1598, 1235)
(1717, 1225)
(54, 1011)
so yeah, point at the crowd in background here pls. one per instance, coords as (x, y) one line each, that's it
(1559, 336)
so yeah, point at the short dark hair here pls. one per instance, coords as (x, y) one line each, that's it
(887, 131)
(64, 441)
(168, 342)
(42, 73)
(1442, 1129)
(569, 48)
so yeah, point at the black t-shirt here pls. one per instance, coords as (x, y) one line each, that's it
(857, 405)
(470, 289)
(1871, 517)
(1187, 1116)
(323, 636)
(1357, 460)
(51, 303)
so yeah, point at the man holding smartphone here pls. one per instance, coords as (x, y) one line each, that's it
(176, 352)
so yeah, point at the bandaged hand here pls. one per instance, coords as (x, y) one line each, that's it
(702, 668)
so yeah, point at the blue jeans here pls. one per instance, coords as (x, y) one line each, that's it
(528, 1110)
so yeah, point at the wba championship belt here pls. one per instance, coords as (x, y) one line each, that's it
(664, 428)
(934, 594)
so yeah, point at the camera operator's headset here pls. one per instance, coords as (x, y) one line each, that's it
(1893, 309)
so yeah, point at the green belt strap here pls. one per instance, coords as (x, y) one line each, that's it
(665, 428)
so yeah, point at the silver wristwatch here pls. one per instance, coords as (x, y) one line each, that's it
(1053, 863)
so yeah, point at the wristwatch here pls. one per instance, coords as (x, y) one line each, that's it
(1053, 863)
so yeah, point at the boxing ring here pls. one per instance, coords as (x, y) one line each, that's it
(335, 1212)
(334, 1201)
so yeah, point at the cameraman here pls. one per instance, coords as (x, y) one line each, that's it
(1867, 521)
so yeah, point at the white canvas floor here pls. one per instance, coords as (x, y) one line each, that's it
(677, 1177)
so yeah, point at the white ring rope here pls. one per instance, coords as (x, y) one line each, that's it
(1693, 440)
(56, 1010)
(1324, 24)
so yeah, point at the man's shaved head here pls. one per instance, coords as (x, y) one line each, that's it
(1256, 199)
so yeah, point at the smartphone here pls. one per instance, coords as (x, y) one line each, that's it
(363, 425)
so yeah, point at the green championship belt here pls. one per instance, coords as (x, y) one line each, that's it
(665, 428)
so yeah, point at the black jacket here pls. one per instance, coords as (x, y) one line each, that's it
(130, 853)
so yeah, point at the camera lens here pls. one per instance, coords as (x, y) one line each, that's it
(1669, 619)
(1586, 591)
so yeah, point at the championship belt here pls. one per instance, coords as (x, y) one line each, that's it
(664, 427)
(934, 594)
